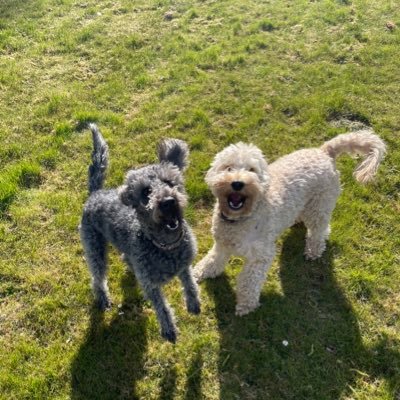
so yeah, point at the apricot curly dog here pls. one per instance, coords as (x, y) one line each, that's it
(256, 202)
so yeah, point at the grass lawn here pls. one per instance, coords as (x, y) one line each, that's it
(281, 74)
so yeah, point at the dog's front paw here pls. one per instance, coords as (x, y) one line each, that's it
(201, 272)
(194, 308)
(314, 249)
(309, 256)
(103, 302)
(169, 335)
(244, 309)
(197, 273)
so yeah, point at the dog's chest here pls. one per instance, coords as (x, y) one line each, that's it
(166, 266)
(242, 239)
(158, 266)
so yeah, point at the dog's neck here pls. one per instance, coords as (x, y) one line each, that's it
(226, 219)
(162, 244)
(168, 246)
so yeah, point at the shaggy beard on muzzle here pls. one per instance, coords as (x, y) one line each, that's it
(171, 218)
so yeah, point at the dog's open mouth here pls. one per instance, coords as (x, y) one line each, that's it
(172, 224)
(236, 201)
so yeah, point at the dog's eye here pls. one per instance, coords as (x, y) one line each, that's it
(169, 183)
(146, 192)
(228, 168)
(252, 170)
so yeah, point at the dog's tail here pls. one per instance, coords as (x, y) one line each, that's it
(363, 142)
(97, 170)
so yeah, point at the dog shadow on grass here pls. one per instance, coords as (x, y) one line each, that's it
(110, 361)
(193, 380)
(304, 344)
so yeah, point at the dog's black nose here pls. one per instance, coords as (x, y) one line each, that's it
(237, 185)
(167, 204)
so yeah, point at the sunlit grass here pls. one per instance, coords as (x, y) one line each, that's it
(278, 74)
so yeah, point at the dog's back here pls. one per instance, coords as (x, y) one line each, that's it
(105, 213)
(297, 177)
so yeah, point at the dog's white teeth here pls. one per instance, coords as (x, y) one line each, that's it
(237, 206)
(173, 226)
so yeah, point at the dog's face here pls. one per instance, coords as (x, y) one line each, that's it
(238, 178)
(157, 192)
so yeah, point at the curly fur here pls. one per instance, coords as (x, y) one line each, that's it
(256, 202)
(143, 219)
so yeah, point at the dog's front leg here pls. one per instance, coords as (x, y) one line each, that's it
(213, 264)
(163, 312)
(250, 282)
(191, 291)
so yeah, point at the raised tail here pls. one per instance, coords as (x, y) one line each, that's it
(363, 142)
(97, 170)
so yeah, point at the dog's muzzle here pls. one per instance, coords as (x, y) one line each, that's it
(170, 213)
(236, 199)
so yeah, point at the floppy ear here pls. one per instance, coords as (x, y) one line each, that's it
(210, 175)
(264, 172)
(174, 151)
(216, 164)
(127, 193)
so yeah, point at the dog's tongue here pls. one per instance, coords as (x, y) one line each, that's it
(235, 198)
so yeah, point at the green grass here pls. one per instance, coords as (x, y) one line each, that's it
(275, 73)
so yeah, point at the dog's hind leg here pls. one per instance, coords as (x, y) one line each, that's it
(251, 279)
(95, 247)
(191, 291)
(213, 264)
(317, 235)
(316, 218)
(163, 312)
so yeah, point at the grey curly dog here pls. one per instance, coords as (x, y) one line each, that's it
(143, 219)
